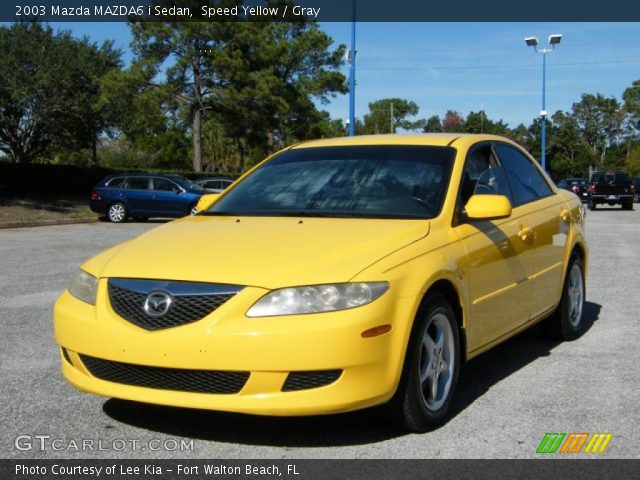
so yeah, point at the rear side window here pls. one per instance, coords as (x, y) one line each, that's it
(138, 183)
(610, 178)
(526, 182)
(165, 185)
(117, 182)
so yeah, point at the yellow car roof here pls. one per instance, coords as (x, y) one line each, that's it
(435, 139)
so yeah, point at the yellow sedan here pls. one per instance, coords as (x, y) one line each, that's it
(336, 275)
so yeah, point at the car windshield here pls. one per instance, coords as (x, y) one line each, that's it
(188, 184)
(355, 181)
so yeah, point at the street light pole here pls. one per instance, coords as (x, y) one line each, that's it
(543, 112)
(533, 42)
(352, 75)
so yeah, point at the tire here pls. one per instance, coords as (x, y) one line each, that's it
(117, 213)
(567, 322)
(192, 209)
(431, 368)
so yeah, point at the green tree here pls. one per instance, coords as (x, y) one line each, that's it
(569, 154)
(599, 119)
(633, 162)
(631, 97)
(433, 125)
(390, 114)
(478, 122)
(49, 91)
(185, 53)
(275, 71)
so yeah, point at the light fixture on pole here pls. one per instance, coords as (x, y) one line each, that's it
(533, 42)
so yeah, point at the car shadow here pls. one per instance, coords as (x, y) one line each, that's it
(355, 428)
(481, 373)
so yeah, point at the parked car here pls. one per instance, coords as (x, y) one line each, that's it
(611, 188)
(144, 195)
(636, 189)
(215, 184)
(575, 185)
(337, 275)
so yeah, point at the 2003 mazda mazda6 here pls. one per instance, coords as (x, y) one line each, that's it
(336, 275)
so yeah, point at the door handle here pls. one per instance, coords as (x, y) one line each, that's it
(524, 233)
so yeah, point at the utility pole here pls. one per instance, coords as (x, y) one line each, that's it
(391, 119)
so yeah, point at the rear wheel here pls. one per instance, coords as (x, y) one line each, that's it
(117, 212)
(431, 368)
(567, 323)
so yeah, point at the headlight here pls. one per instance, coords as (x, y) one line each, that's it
(317, 298)
(84, 287)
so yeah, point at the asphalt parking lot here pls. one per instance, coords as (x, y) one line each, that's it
(506, 401)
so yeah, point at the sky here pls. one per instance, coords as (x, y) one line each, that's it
(468, 66)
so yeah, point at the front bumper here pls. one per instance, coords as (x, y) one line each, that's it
(268, 349)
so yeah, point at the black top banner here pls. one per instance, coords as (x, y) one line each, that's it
(322, 10)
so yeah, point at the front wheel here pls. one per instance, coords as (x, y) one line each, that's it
(567, 323)
(431, 368)
(193, 209)
(117, 212)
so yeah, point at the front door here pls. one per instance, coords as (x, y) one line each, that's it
(500, 255)
(549, 221)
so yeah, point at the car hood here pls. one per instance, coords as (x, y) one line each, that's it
(259, 251)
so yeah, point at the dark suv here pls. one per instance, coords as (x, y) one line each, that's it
(144, 195)
(611, 188)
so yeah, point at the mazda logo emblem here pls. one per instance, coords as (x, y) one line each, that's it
(157, 304)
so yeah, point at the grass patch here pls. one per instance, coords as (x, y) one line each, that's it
(33, 209)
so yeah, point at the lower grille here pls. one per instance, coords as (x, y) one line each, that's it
(199, 381)
(305, 380)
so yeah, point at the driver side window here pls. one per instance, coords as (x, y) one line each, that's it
(483, 176)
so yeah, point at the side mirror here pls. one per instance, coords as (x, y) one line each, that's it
(206, 201)
(488, 207)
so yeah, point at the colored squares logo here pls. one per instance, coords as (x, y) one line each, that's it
(581, 442)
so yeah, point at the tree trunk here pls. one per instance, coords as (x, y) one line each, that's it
(197, 140)
(94, 150)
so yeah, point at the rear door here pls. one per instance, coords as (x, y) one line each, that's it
(138, 195)
(548, 219)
